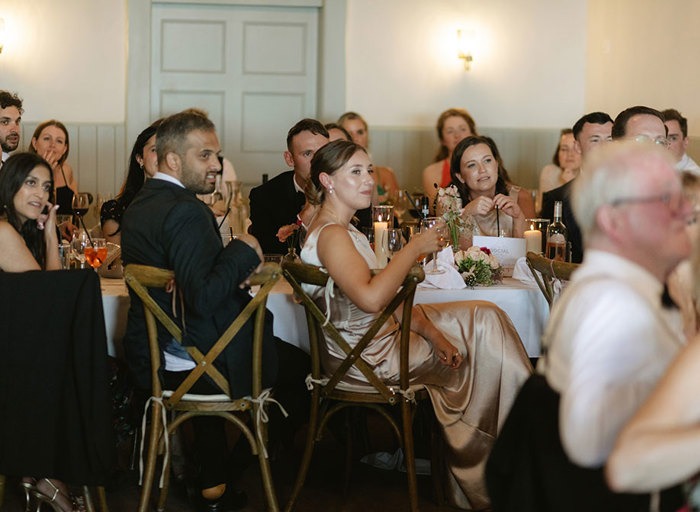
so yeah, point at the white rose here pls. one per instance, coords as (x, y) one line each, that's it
(459, 256)
(441, 192)
(483, 257)
(473, 252)
(493, 262)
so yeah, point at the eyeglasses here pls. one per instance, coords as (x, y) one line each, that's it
(659, 141)
(676, 202)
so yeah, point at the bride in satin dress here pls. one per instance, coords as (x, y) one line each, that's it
(468, 354)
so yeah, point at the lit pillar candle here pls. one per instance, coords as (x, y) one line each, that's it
(380, 243)
(533, 241)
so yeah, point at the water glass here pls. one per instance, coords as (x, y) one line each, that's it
(394, 241)
(429, 223)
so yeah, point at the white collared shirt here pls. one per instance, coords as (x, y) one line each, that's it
(167, 177)
(687, 164)
(296, 185)
(610, 340)
(5, 156)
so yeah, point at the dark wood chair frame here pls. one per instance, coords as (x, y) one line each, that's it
(141, 277)
(550, 269)
(327, 399)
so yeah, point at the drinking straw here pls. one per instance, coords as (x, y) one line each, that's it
(498, 222)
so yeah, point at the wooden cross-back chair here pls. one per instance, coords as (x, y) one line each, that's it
(330, 395)
(548, 271)
(185, 405)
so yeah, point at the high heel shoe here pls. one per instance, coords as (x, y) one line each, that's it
(35, 496)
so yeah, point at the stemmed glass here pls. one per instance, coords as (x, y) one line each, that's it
(81, 203)
(394, 241)
(96, 253)
(426, 224)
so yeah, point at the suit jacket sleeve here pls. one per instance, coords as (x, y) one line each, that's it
(268, 213)
(205, 274)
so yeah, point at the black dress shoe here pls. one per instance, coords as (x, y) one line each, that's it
(230, 500)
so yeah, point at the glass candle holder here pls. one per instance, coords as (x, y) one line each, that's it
(382, 220)
(533, 225)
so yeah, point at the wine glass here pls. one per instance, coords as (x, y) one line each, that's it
(394, 241)
(81, 203)
(96, 252)
(426, 224)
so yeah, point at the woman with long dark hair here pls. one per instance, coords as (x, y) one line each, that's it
(143, 163)
(488, 200)
(28, 239)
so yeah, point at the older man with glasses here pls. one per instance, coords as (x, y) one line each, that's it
(609, 339)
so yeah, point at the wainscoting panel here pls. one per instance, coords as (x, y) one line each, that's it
(97, 153)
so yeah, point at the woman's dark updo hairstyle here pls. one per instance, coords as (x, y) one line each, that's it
(328, 159)
(12, 175)
(455, 166)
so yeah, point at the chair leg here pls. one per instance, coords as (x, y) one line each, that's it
(308, 450)
(152, 456)
(348, 450)
(166, 483)
(436, 457)
(102, 499)
(265, 472)
(89, 505)
(408, 448)
(2, 489)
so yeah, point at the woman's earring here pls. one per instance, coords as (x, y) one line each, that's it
(331, 190)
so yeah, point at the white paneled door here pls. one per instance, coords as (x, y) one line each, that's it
(254, 69)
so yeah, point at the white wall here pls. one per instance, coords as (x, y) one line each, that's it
(66, 59)
(528, 70)
(644, 52)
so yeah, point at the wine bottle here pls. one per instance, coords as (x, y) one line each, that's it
(557, 237)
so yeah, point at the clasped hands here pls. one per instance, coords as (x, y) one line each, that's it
(483, 204)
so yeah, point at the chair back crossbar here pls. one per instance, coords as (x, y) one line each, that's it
(544, 271)
(140, 278)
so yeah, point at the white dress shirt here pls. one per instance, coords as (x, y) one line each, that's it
(687, 164)
(610, 340)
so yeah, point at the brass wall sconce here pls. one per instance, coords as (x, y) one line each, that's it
(464, 47)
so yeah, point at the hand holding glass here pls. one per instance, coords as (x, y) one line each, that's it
(426, 224)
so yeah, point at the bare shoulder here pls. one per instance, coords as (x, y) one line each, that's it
(8, 233)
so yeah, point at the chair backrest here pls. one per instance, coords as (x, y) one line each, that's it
(549, 270)
(141, 277)
(299, 273)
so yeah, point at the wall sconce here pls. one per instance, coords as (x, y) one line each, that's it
(465, 41)
(2, 33)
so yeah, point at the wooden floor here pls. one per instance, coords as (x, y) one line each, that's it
(371, 489)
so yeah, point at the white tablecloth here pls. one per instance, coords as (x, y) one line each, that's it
(525, 305)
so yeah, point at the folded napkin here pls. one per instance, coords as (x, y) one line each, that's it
(449, 279)
(522, 272)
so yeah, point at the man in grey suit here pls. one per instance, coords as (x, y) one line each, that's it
(166, 226)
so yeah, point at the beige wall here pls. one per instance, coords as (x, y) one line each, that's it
(644, 52)
(66, 59)
(528, 69)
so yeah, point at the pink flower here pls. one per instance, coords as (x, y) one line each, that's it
(286, 231)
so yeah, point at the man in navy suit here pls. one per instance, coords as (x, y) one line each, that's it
(166, 226)
(278, 202)
(591, 131)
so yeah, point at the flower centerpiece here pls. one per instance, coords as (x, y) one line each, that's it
(290, 234)
(478, 266)
(448, 204)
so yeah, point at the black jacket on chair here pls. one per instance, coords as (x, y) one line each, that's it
(272, 205)
(563, 194)
(55, 404)
(166, 226)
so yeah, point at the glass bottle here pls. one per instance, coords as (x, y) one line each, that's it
(557, 236)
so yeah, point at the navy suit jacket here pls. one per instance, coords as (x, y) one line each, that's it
(166, 226)
(272, 205)
(567, 217)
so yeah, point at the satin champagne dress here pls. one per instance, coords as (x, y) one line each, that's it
(471, 402)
